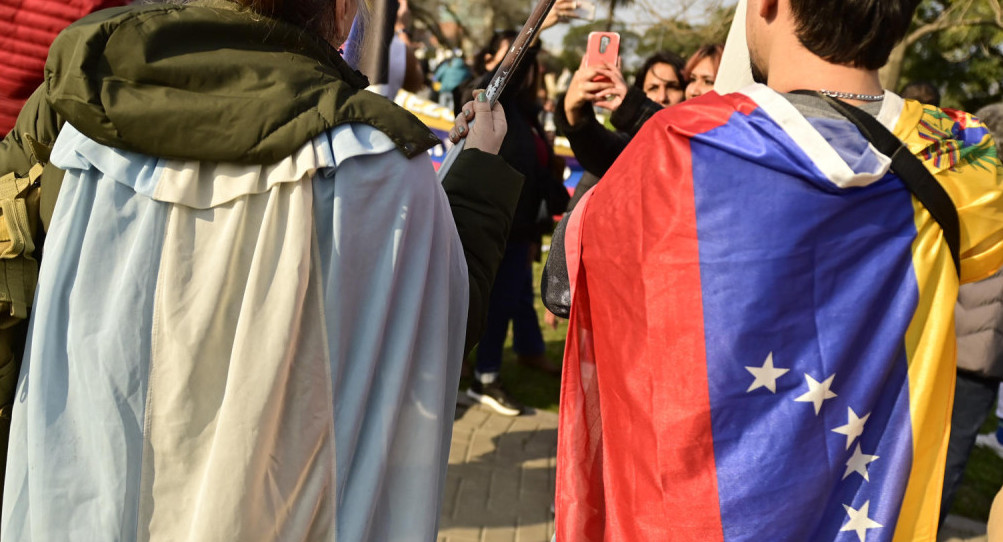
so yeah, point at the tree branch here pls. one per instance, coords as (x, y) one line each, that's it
(939, 25)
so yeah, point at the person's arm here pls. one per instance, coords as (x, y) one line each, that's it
(634, 111)
(595, 147)
(483, 191)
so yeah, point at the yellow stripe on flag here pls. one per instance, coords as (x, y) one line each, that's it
(931, 350)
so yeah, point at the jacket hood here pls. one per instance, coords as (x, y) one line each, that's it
(211, 82)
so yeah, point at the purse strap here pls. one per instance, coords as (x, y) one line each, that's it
(907, 167)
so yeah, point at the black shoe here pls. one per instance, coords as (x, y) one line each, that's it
(492, 395)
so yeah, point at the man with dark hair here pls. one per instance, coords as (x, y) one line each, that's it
(868, 29)
(761, 343)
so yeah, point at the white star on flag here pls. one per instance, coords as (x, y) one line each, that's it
(858, 463)
(859, 521)
(817, 392)
(766, 376)
(854, 427)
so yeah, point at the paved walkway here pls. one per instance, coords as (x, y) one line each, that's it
(500, 483)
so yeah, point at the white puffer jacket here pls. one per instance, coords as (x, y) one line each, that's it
(979, 325)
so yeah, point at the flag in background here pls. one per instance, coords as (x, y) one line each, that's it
(761, 341)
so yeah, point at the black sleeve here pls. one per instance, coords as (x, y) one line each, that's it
(635, 110)
(555, 288)
(482, 191)
(595, 147)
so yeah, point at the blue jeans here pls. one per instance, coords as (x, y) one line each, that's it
(511, 300)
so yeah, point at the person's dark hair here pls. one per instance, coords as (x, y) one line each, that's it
(661, 57)
(491, 47)
(923, 92)
(992, 117)
(314, 15)
(858, 33)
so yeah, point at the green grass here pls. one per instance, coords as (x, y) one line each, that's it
(529, 386)
(983, 476)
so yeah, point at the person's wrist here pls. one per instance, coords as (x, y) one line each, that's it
(625, 114)
(573, 116)
(571, 113)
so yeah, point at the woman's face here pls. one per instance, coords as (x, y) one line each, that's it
(662, 86)
(701, 79)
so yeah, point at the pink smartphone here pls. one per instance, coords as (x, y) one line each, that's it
(602, 48)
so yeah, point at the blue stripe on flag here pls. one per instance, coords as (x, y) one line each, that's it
(820, 281)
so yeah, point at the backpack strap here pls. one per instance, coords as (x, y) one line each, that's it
(907, 167)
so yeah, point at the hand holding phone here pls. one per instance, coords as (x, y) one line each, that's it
(583, 10)
(591, 85)
(565, 10)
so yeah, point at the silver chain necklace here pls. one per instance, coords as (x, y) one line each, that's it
(853, 96)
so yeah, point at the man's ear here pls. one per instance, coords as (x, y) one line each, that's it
(767, 9)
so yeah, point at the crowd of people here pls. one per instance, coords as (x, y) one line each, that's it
(541, 104)
(256, 298)
(570, 103)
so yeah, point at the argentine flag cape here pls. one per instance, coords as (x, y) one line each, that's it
(761, 343)
(240, 353)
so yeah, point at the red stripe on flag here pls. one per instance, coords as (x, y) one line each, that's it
(635, 446)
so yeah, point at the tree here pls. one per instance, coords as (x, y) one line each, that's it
(681, 36)
(965, 63)
(469, 23)
(939, 23)
(613, 4)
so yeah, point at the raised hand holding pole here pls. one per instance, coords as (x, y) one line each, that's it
(516, 53)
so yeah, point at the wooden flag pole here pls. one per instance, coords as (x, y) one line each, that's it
(516, 53)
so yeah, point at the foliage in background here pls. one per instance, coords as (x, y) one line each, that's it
(956, 45)
(681, 36)
(613, 4)
(668, 29)
(476, 19)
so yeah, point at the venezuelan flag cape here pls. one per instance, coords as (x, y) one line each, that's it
(761, 343)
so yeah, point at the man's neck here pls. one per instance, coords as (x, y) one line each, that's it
(802, 70)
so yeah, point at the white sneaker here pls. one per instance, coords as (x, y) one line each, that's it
(988, 440)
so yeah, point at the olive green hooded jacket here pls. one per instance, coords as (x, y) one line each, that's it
(209, 81)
